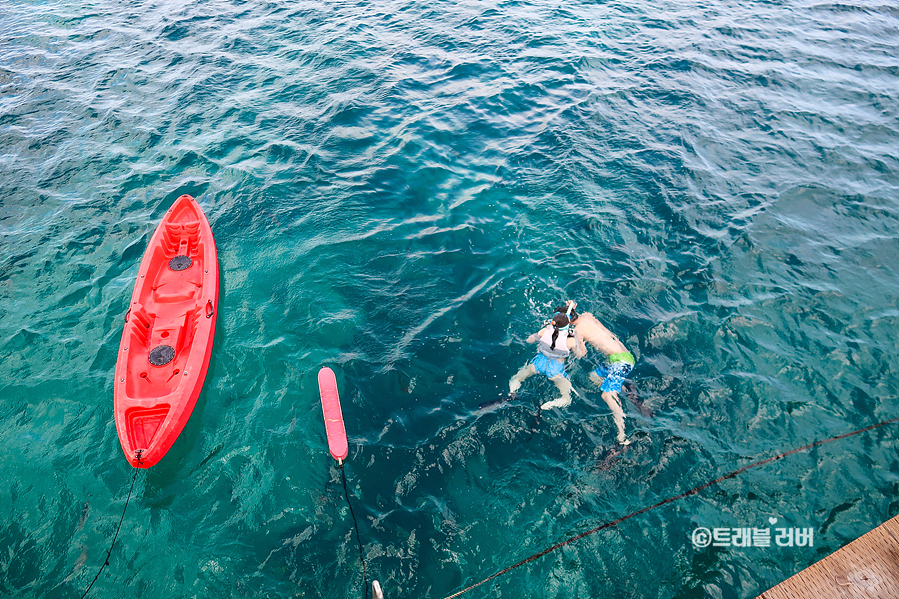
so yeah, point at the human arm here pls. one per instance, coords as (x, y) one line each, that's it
(533, 338)
(577, 346)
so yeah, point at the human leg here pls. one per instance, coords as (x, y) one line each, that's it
(564, 386)
(614, 403)
(526, 371)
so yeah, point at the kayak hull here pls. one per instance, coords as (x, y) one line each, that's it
(167, 339)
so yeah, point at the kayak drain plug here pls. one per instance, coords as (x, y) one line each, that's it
(161, 355)
(180, 263)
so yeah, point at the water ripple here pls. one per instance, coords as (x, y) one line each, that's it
(402, 191)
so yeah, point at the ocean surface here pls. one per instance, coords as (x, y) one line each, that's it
(402, 191)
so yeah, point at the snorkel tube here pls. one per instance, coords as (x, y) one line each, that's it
(558, 312)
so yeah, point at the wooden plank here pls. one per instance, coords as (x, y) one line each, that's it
(892, 527)
(866, 568)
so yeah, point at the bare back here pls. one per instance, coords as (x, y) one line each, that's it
(593, 332)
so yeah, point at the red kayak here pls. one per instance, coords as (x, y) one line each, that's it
(168, 335)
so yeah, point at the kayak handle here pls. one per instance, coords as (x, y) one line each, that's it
(209, 309)
(127, 314)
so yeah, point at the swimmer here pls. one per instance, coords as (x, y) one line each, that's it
(610, 375)
(555, 342)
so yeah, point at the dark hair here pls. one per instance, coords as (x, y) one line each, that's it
(559, 321)
(564, 309)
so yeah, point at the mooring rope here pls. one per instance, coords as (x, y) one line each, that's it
(692, 491)
(358, 538)
(116, 536)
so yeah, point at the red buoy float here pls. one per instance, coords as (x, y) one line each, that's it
(334, 427)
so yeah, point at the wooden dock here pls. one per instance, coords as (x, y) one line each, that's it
(866, 568)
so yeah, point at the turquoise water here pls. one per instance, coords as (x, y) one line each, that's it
(402, 191)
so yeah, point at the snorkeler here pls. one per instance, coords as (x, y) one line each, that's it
(555, 342)
(610, 375)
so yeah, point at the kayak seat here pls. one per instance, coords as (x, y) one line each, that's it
(170, 332)
(173, 298)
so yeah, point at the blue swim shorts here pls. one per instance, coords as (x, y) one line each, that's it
(548, 366)
(614, 373)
